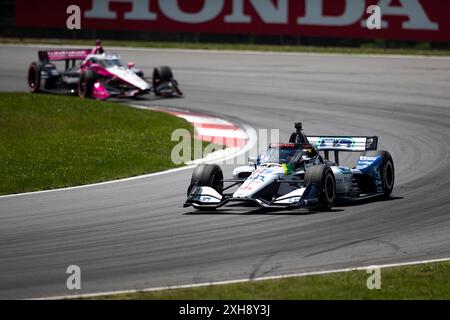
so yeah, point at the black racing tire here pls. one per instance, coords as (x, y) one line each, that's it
(160, 75)
(34, 77)
(207, 175)
(387, 170)
(86, 84)
(322, 176)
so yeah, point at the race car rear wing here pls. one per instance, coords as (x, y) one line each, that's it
(343, 143)
(61, 55)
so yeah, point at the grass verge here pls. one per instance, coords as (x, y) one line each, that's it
(419, 50)
(49, 141)
(422, 281)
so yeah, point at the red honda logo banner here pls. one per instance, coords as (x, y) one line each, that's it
(417, 20)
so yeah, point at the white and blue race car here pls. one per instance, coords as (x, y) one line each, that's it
(296, 175)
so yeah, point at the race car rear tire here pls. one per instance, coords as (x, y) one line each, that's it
(207, 175)
(160, 75)
(86, 84)
(34, 78)
(322, 176)
(386, 170)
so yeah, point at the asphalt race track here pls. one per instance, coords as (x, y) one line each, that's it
(135, 234)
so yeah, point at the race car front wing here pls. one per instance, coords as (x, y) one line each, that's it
(208, 198)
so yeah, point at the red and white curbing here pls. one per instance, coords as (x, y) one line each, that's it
(214, 130)
(237, 140)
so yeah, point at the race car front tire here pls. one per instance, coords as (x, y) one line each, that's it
(34, 77)
(86, 84)
(387, 171)
(322, 176)
(160, 75)
(207, 175)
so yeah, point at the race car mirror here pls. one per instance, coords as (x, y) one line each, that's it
(254, 160)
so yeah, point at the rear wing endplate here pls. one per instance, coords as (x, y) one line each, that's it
(343, 143)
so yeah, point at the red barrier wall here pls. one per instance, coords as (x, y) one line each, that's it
(419, 20)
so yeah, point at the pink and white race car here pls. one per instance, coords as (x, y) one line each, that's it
(92, 73)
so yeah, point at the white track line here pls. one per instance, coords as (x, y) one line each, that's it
(211, 158)
(99, 183)
(215, 283)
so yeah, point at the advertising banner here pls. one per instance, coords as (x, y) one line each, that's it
(417, 20)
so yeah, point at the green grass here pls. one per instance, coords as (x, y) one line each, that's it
(422, 49)
(49, 141)
(423, 281)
